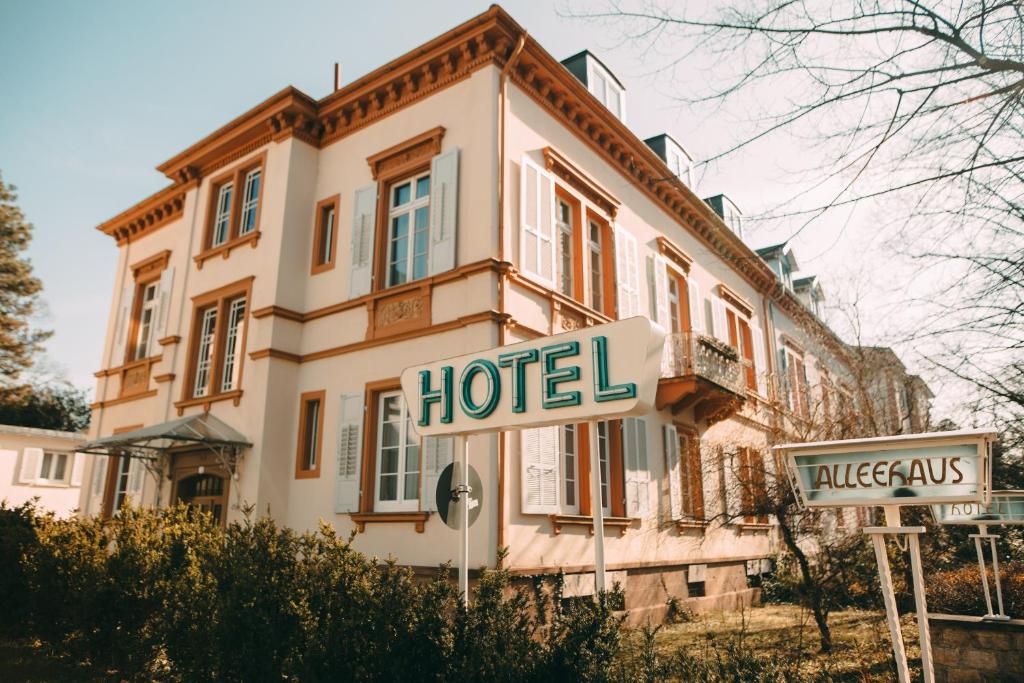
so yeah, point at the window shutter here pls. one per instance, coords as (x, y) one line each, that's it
(760, 364)
(363, 228)
(696, 305)
(538, 455)
(637, 473)
(136, 479)
(121, 325)
(349, 451)
(537, 223)
(783, 378)
(444, 209)
(163, 306)
(438, 453)
(718, 319)
(99, 478)
(77, 468)
(675, 488)
(30, 460)
(627, 279)
(657, 268)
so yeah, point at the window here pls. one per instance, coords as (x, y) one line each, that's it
(570, 468)
(397, 455)
(595, 240)
(604, 462)
(146, 320)
(311, 432)
(691, 482)
(565, 230)
(796, 379)
(741, 338)
(325, 236)
(250, 202)
(408, 230)
(234, 209)
(54, 467)
(217, 343)
(753, 489)
(124, 464)
(604, 88)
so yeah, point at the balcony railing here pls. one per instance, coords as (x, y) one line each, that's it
(691, 354)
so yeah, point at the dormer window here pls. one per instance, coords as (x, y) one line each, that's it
(680, 167)
(601, 83)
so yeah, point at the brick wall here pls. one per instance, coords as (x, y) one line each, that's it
(968, 650)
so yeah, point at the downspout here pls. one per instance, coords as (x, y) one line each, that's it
(502, 107)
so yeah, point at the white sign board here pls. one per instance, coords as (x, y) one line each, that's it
(1006, 507)
(912, 469)
(608, 370)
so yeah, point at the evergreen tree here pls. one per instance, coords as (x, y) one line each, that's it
(19, 291)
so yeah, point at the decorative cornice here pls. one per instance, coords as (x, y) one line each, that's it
(151, 213)
(735, 299)
(584, 184)
(422, 146)
(673, 253)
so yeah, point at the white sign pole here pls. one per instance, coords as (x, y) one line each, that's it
(892, 616)
(464, 492)
(596, 507)
(979, 546)
(921, 602)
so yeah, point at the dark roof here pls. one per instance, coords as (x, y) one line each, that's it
(194, 430)
(806, 281)
(587, 53)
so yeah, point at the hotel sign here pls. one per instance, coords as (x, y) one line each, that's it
(1006, 507)
(916, 469)
(608, 370)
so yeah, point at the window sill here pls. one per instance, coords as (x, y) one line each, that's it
(224, 250)
(207, 401)
(559, 521)
(690, 524)
(753, 526)
(363, 518)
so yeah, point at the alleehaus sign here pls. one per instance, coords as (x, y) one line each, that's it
(1006, 507)
(943, 467)
(592, 373)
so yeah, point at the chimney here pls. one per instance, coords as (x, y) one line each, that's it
(337, 76)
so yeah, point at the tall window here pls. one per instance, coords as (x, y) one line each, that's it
(741, 337)
(603, 462)
(605, 90)
(311, 432)
(325, 236)
(124, 464)
(564, 225)
(204, 363)
(570, 468)
(596, 257)
(146, 320)
(408, 230)
(234, 208)
(222, 217)
(250, 202)
(54, 467)
(674, 302)
(217, 344)
(236, 317)
(690, 477)
(397, 455)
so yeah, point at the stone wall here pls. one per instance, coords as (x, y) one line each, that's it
(968, 649)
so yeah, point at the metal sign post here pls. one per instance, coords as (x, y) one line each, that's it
(912, 469)
(1006, 509)
(601, 372)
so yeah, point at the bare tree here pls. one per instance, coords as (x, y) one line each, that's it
(916, 110)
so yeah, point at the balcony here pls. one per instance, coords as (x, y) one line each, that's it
(702, 373)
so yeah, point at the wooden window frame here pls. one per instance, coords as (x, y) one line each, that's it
(316, 266)
(144, 273)
(220, 298)
(608, 270)
(742, 339)
(580, 291)
(752, 481)
(692, 460)
(683, 290)
(616, 470)
(302, 472)
(236, 175)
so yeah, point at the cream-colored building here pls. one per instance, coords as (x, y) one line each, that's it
(472, 193)
(41, 464)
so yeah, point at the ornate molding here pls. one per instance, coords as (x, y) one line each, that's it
(152, 213)
(422, 146)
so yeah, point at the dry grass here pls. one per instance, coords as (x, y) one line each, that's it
(787, 634)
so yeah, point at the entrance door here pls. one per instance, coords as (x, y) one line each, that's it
(206, 491)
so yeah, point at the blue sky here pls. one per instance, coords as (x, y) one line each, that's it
(97, 94)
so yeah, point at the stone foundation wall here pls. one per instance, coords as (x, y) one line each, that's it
(968, 649)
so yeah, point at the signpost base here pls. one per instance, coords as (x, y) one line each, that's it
(878, 534)
(991, 538)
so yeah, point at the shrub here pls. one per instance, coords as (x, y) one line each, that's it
(959, 591)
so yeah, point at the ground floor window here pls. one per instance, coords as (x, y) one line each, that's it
(397, 455)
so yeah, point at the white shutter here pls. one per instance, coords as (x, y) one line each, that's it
(638, 475)
(30, 462)
(77, 468)
(675, 488)
(364, 225)
(349, 453)
(99, 478)
(660, 293)
(136, 480)
(438, 453)
(444, 209)
(163, 307)
(627, 280)
(121, 325)
(537, 223)
(696, 305)
(718, 318)
(538, 459)
(760, 366)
